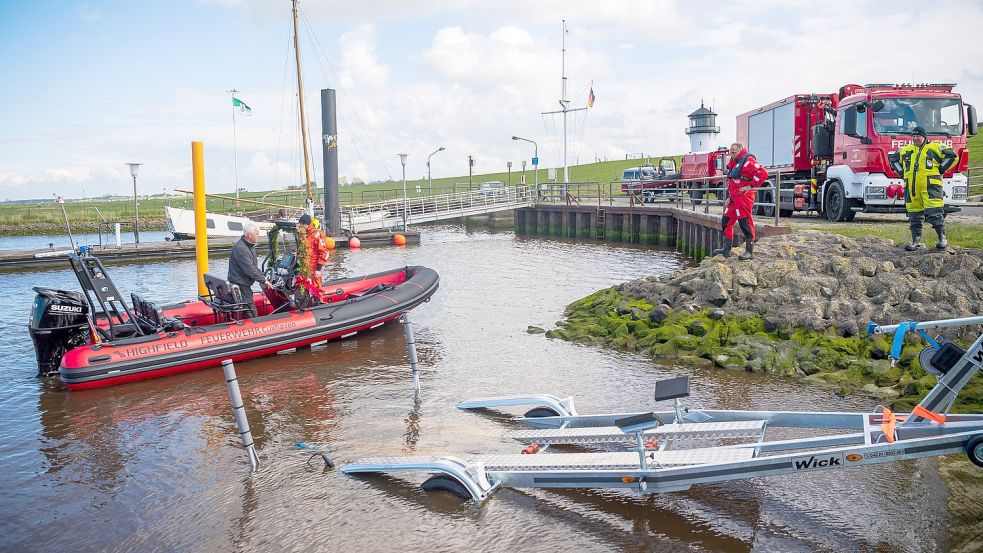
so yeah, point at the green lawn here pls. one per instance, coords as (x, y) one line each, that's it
(975, 147)
(958, 234)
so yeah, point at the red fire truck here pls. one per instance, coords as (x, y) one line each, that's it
(829, 152)
(705, 164)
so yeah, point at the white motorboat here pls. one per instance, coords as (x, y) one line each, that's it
(181, 223)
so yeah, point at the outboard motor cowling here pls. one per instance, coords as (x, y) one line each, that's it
(59, 322)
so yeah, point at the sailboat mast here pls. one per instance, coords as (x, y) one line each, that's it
(303, 117)
(563, 99)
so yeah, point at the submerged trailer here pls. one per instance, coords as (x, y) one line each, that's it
(672, 450)
(828, 153)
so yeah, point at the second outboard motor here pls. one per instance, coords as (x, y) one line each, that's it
(59, 322)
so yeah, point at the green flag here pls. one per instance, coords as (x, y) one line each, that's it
(241, 105)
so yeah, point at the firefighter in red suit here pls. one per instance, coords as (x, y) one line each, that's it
(744, 174)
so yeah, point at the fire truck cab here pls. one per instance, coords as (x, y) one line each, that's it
(829, 152)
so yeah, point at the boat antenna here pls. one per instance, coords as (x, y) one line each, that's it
(303, 116)
(61, 201)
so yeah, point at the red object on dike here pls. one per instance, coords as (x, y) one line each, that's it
(531, 450)
(652, 444)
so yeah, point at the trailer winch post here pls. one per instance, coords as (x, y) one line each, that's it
(411, 350)
(232, 381)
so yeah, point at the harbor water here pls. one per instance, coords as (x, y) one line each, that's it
(158, 466)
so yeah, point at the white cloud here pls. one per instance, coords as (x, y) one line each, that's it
(468, 75)
(12, 179)
(88, 13)
(360, 65)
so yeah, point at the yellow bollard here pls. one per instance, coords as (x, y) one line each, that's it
(201, 230)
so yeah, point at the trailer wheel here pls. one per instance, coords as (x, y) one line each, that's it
(538, 412)
(974, 449)
(442, 483)
(838, 205)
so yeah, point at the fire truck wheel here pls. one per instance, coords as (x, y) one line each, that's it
(837, 204)
(765, 197)
(974, 449)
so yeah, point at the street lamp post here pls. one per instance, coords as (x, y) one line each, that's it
(535, 159)
(470, 170)
(402, 160)
(429, 178)
(134, 170)
(509, 165)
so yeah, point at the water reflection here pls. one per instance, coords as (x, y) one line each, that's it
(158, 464)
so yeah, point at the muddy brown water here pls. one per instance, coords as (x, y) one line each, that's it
(156, 465)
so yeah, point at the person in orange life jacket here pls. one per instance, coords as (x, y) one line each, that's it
(314, 244)
(744, 174)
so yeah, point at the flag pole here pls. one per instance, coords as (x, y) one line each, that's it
(235, 148)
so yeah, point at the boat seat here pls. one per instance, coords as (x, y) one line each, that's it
(225, 299)
(151, 318)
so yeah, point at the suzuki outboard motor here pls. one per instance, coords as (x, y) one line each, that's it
(59, 323)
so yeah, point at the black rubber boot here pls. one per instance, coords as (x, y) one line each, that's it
(943, 243)
(916, 242)
(724, 251)
(748, 250)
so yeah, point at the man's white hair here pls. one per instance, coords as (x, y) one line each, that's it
(250, 228)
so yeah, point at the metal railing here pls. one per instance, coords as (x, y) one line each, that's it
(692, 193)
(405, 211)
(974, 177)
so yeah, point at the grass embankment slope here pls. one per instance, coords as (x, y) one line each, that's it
(29, 218)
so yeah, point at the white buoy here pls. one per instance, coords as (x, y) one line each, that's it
(411, 350)
(241, 422)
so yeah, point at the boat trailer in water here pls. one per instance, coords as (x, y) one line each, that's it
(672, 450)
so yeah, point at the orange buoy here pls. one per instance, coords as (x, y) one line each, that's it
(399, 240)
(354, 243)
(329, 243)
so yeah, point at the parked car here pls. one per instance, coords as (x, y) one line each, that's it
(650, 181)
(492, 187)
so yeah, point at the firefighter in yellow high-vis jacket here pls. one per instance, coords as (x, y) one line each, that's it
(922, 164)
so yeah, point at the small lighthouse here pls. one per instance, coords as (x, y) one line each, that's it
(702, 130)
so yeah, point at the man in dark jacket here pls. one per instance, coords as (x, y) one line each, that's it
(242, 264)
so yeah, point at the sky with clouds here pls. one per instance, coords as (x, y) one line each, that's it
(90, 86)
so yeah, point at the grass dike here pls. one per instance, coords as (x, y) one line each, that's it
(800, 309)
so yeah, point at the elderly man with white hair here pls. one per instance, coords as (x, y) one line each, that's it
(242, 263)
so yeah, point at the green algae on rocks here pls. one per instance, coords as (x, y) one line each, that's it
(693, 315)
